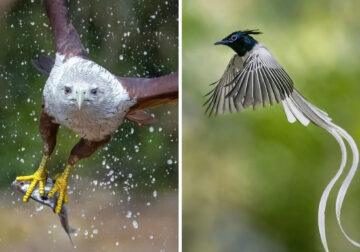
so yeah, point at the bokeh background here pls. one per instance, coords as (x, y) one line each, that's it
(252, 181)
(124, 197)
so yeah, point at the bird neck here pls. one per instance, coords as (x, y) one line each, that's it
(243, 48)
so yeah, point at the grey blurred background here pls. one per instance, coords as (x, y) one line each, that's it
(125, 196)
(252, 181)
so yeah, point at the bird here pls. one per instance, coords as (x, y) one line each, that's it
(254, 78)
(88, 99)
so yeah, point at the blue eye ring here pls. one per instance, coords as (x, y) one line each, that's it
(234, 37)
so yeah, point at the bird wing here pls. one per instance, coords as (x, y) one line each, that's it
(151, 92)
(67, 40)
(43, 64)
(261, 80)
(141, 117)
(218, 103)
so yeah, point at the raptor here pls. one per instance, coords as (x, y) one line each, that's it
(88, 99)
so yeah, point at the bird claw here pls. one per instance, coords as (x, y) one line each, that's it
(39, 177)
(60, 186)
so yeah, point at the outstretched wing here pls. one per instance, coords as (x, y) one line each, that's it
(151, 92)
(218, 103)
(260, 81)
(263, 81)
(67, 40)
(43, 64)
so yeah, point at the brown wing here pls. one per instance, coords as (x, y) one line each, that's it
(150, 92)
(67, 40)
(141, 117)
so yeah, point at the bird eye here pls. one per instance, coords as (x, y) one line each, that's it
(94, 91)
(234, 37)
(67, 90)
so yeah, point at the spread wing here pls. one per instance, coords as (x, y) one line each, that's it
(261, 80)
(67, 40)
(218, 101)
(151, 92)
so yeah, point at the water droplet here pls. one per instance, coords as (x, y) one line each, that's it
(135, 224)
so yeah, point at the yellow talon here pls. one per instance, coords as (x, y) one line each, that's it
(60, 186)
(66, 199)
(39, 177)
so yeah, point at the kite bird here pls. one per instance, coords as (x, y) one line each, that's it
(255, 78)
(88, 99)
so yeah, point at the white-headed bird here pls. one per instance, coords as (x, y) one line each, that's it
(88, 99)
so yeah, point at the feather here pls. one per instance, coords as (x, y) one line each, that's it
(291, 118)
(141, 117)
(325, 194)
(298, 114)
(320, 118)
(218, 101)
(43, 64)
(346, 183)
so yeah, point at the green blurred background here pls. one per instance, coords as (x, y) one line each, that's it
(252, 182)
(136, 172)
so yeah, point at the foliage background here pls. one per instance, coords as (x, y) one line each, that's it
(130, 38)
(252, 182)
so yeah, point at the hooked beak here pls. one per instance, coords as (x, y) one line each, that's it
(80, 99)
(223, 42)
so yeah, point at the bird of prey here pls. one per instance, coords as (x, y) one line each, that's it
(255, 78)
(88, 99)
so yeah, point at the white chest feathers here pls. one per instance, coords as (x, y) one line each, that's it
(85, 97)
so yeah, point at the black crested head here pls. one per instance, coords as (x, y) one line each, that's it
(241, 41)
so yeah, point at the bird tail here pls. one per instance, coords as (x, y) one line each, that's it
(298, 108)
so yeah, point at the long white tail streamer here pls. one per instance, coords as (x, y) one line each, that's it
(297, 107)
(345, 185)
(325, 195)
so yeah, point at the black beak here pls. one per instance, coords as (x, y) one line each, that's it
(223, 42)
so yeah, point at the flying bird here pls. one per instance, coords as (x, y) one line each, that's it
(88, 99)
(254, 78)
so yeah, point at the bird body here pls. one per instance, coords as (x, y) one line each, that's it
(255, 78)
(101, 112)
(88, 99)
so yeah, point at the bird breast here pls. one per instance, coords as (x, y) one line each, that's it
(90, 125)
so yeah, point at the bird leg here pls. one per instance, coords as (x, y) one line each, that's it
(39, 177)
(84, 148)
(48, 132)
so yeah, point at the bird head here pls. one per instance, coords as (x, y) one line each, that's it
(82, 93)
(241, 41)
(83, 86)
